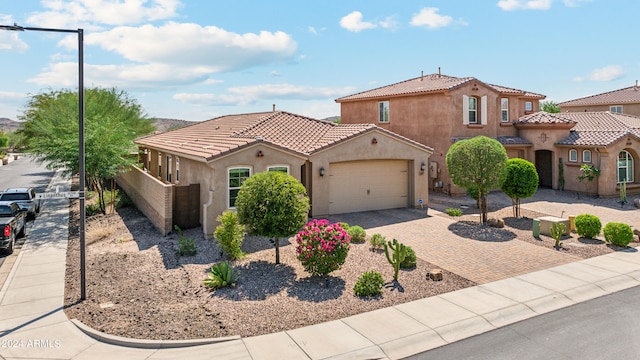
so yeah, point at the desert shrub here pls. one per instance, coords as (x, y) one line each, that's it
(187, 246)
(588, 226)
(229, 235)
(357, 234)
(92, 209)
(220, 275)
(345, 226)
(123, 201)
(369, 284)
(322, 247)
(409, 259)
(377, 241)
(557, 230)
(618, 233)
(453, 212)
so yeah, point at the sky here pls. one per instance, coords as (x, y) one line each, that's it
(200, 59)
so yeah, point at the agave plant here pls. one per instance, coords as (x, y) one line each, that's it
(220, 275)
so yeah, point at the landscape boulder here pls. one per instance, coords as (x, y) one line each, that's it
(496, 223)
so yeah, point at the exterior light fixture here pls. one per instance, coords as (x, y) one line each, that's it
(423, 167)
(322, 171)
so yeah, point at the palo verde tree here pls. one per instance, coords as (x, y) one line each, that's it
(272, 204)
(549, 106)
(112, 121)
(521, 181)
(478, 163)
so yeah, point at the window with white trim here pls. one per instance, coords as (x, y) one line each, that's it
(474, 110)
(177, 169)
(528, 106)
(586, 156)
(573, 155)
(168, 168)
(159, 165)
(236, 177)
(383, 115)
(616, 109)
(625, 167)
(504, 109)
(279, 168)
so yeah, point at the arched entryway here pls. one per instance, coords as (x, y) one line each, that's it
(544, 165)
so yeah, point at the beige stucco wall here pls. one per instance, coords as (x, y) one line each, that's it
(631, 109)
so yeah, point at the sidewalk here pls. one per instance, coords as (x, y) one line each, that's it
(33, 323)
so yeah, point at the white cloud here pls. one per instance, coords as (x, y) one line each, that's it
(430, 18)
(9, 95)
(511, 5)
(9, 40)
(574, 3)
(389, 23)
(212, 99)
(353, 22)
(607, 73)
(93, 13)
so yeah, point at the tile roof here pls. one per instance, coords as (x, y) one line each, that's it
(504, 140)
(429, 84)
(600, 128)
(629, 95)
(542, 117)
(219, 136)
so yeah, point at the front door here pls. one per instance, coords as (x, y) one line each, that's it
(544, 165)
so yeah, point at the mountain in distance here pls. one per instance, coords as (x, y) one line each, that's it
(7, 125)
(163, 124)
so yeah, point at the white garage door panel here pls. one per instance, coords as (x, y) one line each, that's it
(368, 185)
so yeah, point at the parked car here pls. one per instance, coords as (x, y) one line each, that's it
(13, 223)
(25, 198)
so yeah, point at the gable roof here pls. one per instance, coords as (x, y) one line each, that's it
(296, 133)
(545, 118)
(600, 128)
(432, 83)
(629, 95)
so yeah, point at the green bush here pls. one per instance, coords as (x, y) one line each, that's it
(588, 226)
(187, 246)
(409, 259)
(377, 241)
(453, 212)
(123, 201)
(369, 284)
(618, 233)
(344, 226)
(220, 275)
(92, 209)
(557, 230)
(356, 233)
(230, 234)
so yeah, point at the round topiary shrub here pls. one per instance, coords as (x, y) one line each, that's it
(409, 259)
(369, 284)
(357, 234)
(322, 247)
(618, 233)
(588, 226)
(377, 241)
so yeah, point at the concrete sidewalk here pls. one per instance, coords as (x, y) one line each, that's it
(33, 323)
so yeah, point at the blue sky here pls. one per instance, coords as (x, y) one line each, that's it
(197, 59)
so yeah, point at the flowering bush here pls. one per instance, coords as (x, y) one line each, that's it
(322, 247)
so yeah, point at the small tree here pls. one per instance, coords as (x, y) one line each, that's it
(272, 204)
(549, 106)
(230, 234)
(521, 182)
(478, 162)
(589, 173)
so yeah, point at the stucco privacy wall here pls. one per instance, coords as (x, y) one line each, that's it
(151, 196)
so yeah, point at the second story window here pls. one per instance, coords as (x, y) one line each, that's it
(616, 109)
(528, 106)
(383, 116)
(504, 106)
(586, 156)
(573, 155)
(473, 110)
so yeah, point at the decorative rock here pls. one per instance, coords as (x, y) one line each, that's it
(435, 275)
(636, 202)
(497, 223)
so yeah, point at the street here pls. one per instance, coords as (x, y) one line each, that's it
(602, 328)
(24, 172)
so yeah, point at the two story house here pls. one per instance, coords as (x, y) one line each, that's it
(437, 110)
(624, 101)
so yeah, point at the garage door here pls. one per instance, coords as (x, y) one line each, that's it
(368, 185)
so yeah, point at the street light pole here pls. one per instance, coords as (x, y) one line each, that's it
(81, 156)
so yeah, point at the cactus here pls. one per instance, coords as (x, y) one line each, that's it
(399, 254)
(557, 230)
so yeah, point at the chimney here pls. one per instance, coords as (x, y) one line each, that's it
(421, 75)
(439, 71)
(273, 107)
(636, 86)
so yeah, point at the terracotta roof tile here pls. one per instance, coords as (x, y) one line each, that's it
(628, 95)
(504, 140)
(427, 84)
(542, 117)
(600, 128)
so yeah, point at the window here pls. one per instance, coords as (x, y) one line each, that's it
(528, 106)
(586, 156)
(625, 167)
(473, 110)
(616, 109)
(236, 177)
(159, 164)
(573, 155)
(279, 168)
(168, 168)
(504, 105)
(383, 117)
(177, 169)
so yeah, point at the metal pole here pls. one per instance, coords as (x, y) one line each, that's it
(83, 274)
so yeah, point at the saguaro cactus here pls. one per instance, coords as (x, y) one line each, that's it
(399, 253)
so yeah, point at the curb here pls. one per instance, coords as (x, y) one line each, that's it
(147, 344)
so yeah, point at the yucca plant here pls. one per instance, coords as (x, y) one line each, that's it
(220, 275)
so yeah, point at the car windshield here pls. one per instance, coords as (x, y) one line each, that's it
(5, 211)
(13, 197)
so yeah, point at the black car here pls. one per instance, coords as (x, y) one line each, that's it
(25, 198)
(12, 225)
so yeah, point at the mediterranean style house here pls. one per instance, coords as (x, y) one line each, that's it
(189, 176)
(438, 109)
(625, 101)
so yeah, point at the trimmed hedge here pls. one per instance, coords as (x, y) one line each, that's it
(588, 226)
(618, 233)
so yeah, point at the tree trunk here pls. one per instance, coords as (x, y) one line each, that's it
(277, 241)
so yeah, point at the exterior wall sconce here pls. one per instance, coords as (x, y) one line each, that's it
(423, 167)
(374, 141)
(259, 154)
(322, 171)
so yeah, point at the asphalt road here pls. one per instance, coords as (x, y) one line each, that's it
(602, 328)
(24, 172)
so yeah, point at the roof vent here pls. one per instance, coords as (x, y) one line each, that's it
(273, 107)
(258, 138)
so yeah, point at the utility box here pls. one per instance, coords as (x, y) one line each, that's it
(536, 228)
(572, 223)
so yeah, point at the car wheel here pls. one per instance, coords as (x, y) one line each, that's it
(22, 232)
(12, 245)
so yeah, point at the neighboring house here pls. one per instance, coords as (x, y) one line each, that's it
(438, 110)
(625, 101)
(345, 168)
(608, 141)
